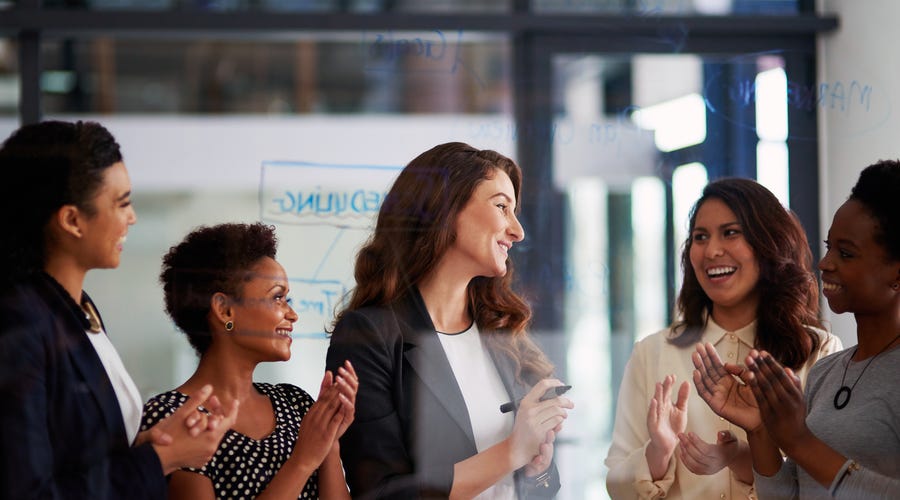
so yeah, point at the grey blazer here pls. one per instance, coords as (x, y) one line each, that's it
(411, 423)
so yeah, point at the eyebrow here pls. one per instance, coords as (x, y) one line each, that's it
(124, 196)
(720, 226)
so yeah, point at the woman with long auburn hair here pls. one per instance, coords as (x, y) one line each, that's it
(440, 339)
(748, 283)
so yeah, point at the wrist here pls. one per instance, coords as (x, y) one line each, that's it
(516, 459)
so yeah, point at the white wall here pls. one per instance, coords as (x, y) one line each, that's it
(852, 136)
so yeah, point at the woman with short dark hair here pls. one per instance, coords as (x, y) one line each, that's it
(227, 293)
(70, 412)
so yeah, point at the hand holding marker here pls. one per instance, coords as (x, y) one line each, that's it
(550, 394)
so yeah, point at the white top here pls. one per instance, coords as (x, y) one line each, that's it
(483, 392)
(651, 360)
(126, 392)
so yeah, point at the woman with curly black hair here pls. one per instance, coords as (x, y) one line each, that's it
(227, 293)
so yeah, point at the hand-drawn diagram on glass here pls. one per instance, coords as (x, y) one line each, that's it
(323, 213)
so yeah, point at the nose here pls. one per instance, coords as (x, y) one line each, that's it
(291, 314)
(132, 215)
(714, 247)
(825, 263)
(516, 231)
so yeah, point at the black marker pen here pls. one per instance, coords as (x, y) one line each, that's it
(550, 394)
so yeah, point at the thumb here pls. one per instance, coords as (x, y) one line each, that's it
(160, 437)
(725, 437)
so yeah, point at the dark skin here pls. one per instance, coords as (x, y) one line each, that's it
(858, 276)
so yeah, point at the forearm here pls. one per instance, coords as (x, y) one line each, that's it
(479, 472)
(290, 479)
(765, 454)
(815, 457)
(742, 464)
(658, 460)
(331, 476)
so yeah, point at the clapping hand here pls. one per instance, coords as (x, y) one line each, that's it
(728, 397)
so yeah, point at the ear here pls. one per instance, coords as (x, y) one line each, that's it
(220, 308)
(69, 220)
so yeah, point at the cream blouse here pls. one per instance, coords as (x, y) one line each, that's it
(652, 359)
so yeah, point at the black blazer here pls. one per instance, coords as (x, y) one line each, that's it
(411, 422)
(61, 429)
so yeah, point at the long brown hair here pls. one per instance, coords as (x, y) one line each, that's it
(787, 286)
(415, 228)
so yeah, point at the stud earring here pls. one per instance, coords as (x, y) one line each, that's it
(229, 325)
(896, 286)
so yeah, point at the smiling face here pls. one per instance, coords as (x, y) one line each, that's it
(263, 318)
(724, 263)
(857, 273)
(105, 230)
(486, 229)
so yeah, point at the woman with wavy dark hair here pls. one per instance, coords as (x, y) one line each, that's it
(440, 338)
(842, 437)
(748, 283)
(70, 413)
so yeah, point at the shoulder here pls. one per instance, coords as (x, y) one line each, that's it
(368, 325)
(161, 406)
(828, 343)
(655, 343)
(287, 392)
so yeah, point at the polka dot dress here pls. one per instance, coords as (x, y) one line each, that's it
(242, 466)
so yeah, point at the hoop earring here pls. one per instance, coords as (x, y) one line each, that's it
(229, 326)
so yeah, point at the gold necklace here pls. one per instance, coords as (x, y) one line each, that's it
(93, 318)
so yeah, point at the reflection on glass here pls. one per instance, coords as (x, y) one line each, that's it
(772, 168)
(9, 78)
(362, 72)
(677, 123)
(688, 182)
(668, 7)
(771, 105)
(648, 203)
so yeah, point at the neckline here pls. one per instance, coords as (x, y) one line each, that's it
(264, 389)
(449, 334)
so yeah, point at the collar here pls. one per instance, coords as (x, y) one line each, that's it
(76, 309)
(715, 333)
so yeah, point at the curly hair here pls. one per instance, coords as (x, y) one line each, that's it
(210, 259)
(877, 190)
(415, 229)
(45, 166)
(787, 285)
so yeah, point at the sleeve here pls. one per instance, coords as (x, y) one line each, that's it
(374, 449)
(27, 463)
(854, 482)
(547, 489)
(629, 474)
(783, 485)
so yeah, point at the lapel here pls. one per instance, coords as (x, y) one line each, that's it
(424, 353)
(72, 325)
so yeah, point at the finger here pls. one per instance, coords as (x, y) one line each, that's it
(327, 380)
(349, 373)
(536, 392)
(715, 362)
(782, 382)
(159, 437)
(704, 384)
(683, 392)
(725, 437)
(197, 399)
(794, 378)
(667, 383)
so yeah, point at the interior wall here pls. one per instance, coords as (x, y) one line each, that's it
(859, 106)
